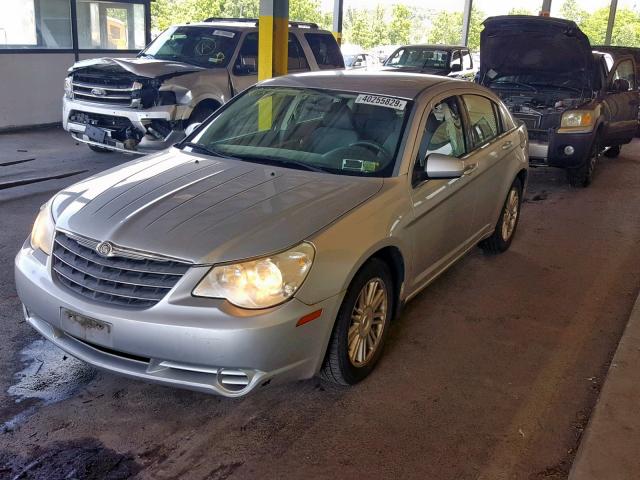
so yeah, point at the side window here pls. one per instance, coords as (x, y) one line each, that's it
(455, 58)
(443, 133)
(467, 62)
(297, 60)
(247, 61)
(482, 115)
(624, 78)
(325, 50)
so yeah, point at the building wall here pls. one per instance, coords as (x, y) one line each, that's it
(31, 86)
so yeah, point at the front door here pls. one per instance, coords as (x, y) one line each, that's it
(621, 103)
(443, 209)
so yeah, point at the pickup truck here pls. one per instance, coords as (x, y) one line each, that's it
(575, 108)
(145, 104)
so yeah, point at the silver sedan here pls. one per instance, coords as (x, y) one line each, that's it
(280, 239)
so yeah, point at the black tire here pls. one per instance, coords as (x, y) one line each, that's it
(338, 366)
(95, 148)
(613, 152)
(582, 176)
(501, 238)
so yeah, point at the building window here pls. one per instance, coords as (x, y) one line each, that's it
(110, 25)
(32, 24)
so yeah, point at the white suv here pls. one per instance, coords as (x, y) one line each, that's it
(144, 104)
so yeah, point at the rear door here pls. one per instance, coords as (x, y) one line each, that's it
(621, 102)
(443, 209)
(491, 146)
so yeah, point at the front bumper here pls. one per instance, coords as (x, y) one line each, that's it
(140, 120)
(198, 344)
(547, 148)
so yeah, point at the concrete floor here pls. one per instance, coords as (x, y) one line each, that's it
(491, 373)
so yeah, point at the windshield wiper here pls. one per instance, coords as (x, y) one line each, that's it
(551, 85)
(293, 163)
(207, 150)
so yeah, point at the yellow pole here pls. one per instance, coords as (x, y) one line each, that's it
(273, 43)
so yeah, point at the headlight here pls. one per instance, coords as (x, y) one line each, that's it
(578, 119)
(260, 283)
(68, 87)
(43, 230)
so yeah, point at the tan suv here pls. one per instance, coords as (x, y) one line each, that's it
(144, 104)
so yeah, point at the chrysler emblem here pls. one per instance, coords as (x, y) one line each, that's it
(101, 92)
(105, 249)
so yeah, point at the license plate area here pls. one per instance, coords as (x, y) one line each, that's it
(96, 134)
(86, 328)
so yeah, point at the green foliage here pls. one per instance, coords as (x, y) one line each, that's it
(447, 29)
(521, 11)
(165, 13)
(401, 23)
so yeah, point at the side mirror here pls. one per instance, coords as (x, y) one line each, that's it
(191, 128)
(438, 165)
(620, 85)
(456, 67)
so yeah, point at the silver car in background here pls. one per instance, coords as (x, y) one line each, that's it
(281, 237)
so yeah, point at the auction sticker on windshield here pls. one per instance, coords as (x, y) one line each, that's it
(379, 101)
(224, 33)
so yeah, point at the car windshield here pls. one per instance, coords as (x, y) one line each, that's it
(419, 57)
(207, 47)
(310, 129)
(349, 60)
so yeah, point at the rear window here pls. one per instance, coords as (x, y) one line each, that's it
(325, 50)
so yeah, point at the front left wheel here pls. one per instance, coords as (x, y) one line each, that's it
(361, 326)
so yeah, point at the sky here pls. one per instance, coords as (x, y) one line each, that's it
(490, 7)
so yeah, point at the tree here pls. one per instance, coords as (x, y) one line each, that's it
(447, 28)
(572, 11)
(401, 23)
(521, 11)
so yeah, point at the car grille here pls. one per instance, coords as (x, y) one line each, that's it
(112, 90)
(126, 279)
(99, 120)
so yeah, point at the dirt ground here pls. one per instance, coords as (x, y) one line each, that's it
(491, 373)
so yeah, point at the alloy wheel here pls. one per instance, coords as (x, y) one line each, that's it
(368, 320)
(510, 215)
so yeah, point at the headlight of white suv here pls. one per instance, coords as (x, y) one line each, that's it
(43, 230)
(68, 87)
(262, 283)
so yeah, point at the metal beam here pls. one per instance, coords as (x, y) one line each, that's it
(466, 21)
(338, 7)
(273, 38)
(612, 20)
(545, 11)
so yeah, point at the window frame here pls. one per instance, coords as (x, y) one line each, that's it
(75, 49)
(417, 182)
(496, 113)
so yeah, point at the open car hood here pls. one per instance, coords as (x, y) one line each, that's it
(142, 67)
(524, 45)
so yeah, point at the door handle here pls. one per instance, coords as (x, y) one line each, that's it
(469, 168)
(507, 145)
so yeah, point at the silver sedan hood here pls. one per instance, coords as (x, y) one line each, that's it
(207, 210)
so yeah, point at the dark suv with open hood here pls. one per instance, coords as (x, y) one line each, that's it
(575, 109)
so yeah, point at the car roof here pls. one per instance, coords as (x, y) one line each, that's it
(394, 84)
(247, 25)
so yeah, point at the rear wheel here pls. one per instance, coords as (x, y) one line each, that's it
(361, 325)
(613, 152)
(95, 148)
(502, 236)
(582, 176)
